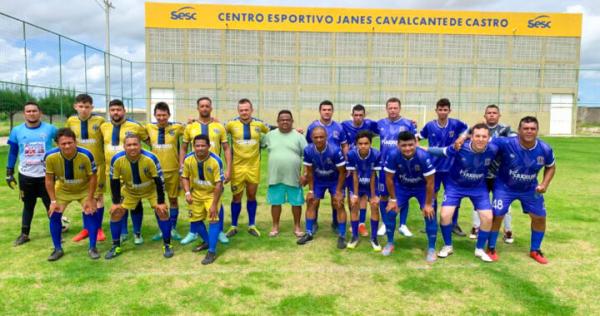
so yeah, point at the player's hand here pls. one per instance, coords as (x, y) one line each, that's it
(374, 200)
(428, 211)
(310, 196)
(214, 119)
(89, 206)
(459, 143)
(300, 130)
(161, 211)
(10, 178)
(338, 198)
(213, 215)
(354, 200)
(303, 180)
(117, 210)
(541, 189)
(54, 207)
(227, 177)
(392, 206)
(188, 198)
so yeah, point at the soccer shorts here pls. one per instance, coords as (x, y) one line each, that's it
(480, 197)
(172, 183)
(64, 198)
(279, 194)
(440, 178)
(403, 195)
(102, 176)
(241, 175)
(319, 190)
(531, 202)
(130, 201)
(382, 188)
(199, 210)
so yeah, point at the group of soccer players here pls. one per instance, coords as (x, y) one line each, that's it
(339, 158)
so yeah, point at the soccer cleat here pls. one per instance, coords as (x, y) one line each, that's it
(431, 256)
(168, 251)
(458, 231)
(175, 235)
(113, 252)
(508, 237)
(381, 230)
(232, 231)
(189, 238)
(21, 240)
(375, 244)
(362, 230)
(538, 256)
(200, 247)
(83, 234)
(157, 236)
(138, 239)
(445, 251)
(405, 231)
(480, 253)
(388, 249)
(93, 253)
(252, 230)
(353, 243)
(100, 235)
(473, 234)
(492, 254)
(56, 254)
(223, 238)
(341, 242)
(124, 238)
(304, 239)
(210, 258)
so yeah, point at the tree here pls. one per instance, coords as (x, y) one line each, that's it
(58, 103)
(11, 102)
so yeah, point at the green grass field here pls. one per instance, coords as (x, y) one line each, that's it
(274, 276)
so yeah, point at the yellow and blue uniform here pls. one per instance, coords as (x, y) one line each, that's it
(246, 151)
(114, 137)
(89, 136)
(215, 131)
(203, 176)
(165, 145)
(72, 175)
(142, 179)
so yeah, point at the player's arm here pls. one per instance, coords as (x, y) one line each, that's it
(13, 153)
(308, 170)
(228, 160)
(92, 183)
(373, 184)
(214, 207)
(389, 183)
(339, 189)
(49, 184)
(185, 183)
(345, 149)
(549, 172)
(429, 195)
(182, 152)
(439, 151)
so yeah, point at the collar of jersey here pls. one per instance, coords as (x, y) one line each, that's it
(324, 149)
(321, 123)
(530, 149)
(367, 156)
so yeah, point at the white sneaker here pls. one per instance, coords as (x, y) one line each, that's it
(381, 230)
(474, 231)
(446, 251)
(375, 245)
(405, 231)
(430, 258)
(480, 253)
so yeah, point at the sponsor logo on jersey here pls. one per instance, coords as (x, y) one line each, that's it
(540, 160)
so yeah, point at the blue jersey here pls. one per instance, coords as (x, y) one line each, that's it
(469, 168)
(388, 133)
(364, 167)
(335, 133)
(351, 130)
(442, 136)
(519, 166)
(33, 143)
(409, 173)
(324, 164)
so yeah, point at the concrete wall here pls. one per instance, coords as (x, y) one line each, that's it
(588, 115)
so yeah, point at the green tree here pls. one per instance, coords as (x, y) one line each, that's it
(11, 102)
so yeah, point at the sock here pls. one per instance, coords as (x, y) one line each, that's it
(403, 214)
(137, 216)
(382, 211)
(309, 225)
(447, 234)
(173, 214)
(195, 227)
(482, 238)
(221, 218)
(213, 237)
(334, 217)
(99, 216)
(84, 222)
(202, 231)
(91, 222)
(492, 239)
(362, 215)
(342, 229)
(374, 227)
(508, 221)
(390, 225)
(56, 229)
(251, 206)
(354, 228)
(455, 217)
(476, 221)
(236, 209)
(431, 230)
(536, 240)
(115, 231)
(165, 229)
(124, 219)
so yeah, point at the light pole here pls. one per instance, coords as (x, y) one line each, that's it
(106, 6)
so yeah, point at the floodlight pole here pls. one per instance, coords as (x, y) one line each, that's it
(107, 6)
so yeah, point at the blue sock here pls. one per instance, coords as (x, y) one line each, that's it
(91, 222)
(309, 225)
(447, 234)
(334, 217)
(99, 216)
(342, 229)
(202, 231)
(482, 238)
(403, 214)
(165, 229)
(221, 218)
(362, 215)
(84, 222)
(374, 227)
(382, 210)
(213, 237)
(173, 214)
(536, 240)
(390, 225)
(455, 216)
(492, 239)
(431, 230)
(251, 206)
(124, 219)
(56, 229)
(195, 227)
(354, 228)
(137, 216)
(236, 209)
(115, 231)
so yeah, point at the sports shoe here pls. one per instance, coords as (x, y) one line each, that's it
(210, 258)
(362, 230)
(101, 236)
(56, 254)
(388, 249)
(232, 231)
(223, 238)
(474, 231)
(538, 256)
(445, 251)
(480, 253)
(93, 253)
(491, 252)
(458, 231)
(405, 231)
(175, 235)
(21, 240)
(304, 239)
(353, 243)
(168, 251)
(138, 239)
(157, 236)
(315, 227)
(341, 242)
(83, 234)
(431, 256)
(252, 230)
(200, 247)
(381, 230)
(189, 238)
(375, 244)
(113, 252)
(124, 238)
(508, 237)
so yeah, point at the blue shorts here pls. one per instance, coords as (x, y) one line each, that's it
(440, 178)
(279, 194)
(403, 195)
(319, 190)
(382, 188)
(480, 197)
(531, 202)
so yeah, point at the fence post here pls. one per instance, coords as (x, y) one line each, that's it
(60, 81)
(25, 53)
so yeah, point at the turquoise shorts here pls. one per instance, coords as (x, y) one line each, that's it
(279, 194)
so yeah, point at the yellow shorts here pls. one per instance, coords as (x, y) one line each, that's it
(172, 184)
(129, 201)
(199, 210)
(64, 199)
(102, 176)
(242, 175)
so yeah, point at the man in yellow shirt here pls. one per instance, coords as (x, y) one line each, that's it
(71, 176)
(245, 134)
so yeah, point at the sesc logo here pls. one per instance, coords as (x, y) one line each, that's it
(541, 22)
(184, 13)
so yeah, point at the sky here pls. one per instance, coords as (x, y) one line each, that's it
(84, 21)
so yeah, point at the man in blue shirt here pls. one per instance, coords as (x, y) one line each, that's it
(29, 142)
(325, 171)
(521, 159)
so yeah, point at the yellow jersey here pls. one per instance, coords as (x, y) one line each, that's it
(114, 137)
(246, 141)
(165, 144)
(203, 175)
(137, 176)
(72, 175)
(89, 135)
(215, 131)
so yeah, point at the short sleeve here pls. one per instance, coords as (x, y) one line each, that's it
(186, 169)
(461, 127)
(223, 136)
(91, 168)
(427, 165)
(374, 128)
(142, 132)
(155, 169)
(424, 133)
(115, 170)
(343, 136)
(301, 143)
(308, 132)
(264, 127)
(306, 157)
(339, 158)
(351, 165)
(50, 165)
(377, 165)
(186, 133)
(390, 163)
(549, 156)
(217, 173)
